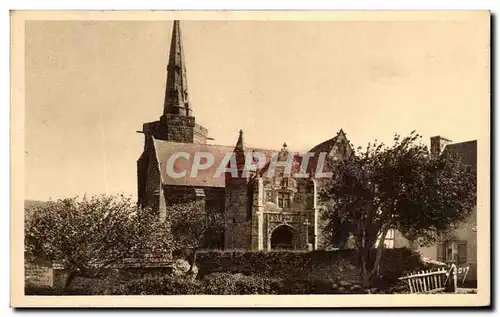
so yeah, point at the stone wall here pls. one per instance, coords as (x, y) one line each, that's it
(45, 274)
(179, 128)
(200, 134)
(39, 274)
(238, 215)
(109, 278)
(153, 181)
(237, 236)
(257, 222)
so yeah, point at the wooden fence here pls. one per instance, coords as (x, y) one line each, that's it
(432, 281)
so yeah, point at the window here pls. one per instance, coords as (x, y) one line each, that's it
(269, 196)
(283, 200)
(388, 241)
(452, 251)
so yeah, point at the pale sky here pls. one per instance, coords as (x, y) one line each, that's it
(91, 85)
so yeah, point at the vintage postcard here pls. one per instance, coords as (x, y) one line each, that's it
(250, 159)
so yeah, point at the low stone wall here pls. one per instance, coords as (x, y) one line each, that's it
(47, 275)
(109, 278)
(40, 274)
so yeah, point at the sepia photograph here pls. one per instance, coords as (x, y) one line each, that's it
(301, 156)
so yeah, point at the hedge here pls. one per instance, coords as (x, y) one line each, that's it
(215, 284)
(235, 272)
(159, 286)
(280, 264)
(234, 284)
(309, 265)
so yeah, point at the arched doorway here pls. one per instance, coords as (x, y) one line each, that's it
(282, 238)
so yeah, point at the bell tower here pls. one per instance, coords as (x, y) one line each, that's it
(177, 123)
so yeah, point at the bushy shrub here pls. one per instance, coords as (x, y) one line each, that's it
(214, 284)
(315, 266)
(394, 264)
(401, 261)
(283, 264)
(239, 284)
(307, 265)
(158, 286)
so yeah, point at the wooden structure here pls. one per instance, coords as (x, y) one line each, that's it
(426, 282)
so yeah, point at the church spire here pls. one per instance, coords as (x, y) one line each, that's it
(240, 146)
(239, 152)
(176, 94)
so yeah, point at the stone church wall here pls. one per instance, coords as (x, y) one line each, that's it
(179, 128)
(237, 218)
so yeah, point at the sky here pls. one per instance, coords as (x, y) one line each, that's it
(91, 84)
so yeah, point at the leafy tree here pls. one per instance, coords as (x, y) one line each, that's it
(191, 226)
(88, 236)
(400, 187)
(335, 230)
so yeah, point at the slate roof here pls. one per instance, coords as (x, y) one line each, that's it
(205, 178)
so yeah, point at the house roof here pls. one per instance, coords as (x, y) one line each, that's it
(467, 151)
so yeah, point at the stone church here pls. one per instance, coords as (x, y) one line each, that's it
(260, 213)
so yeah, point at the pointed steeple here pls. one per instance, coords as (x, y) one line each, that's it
(240, 145)
(239, 152)
(176, 94)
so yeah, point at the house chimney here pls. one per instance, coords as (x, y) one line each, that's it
(438, 144)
